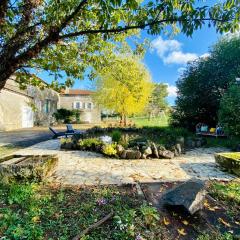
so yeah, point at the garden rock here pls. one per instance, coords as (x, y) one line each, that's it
(188, 196)
(123, 154)
(132, 154)
(154, 150)
(177, 149)
(119, 149)
(166, 154)
(147, 150)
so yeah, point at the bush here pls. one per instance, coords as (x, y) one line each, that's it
(229, 111)
(110, 149)
(64, 115)
(90, 144)
(116, 136)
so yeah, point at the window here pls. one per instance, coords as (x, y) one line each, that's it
(47, 106)
(77, 105)
(89, 105)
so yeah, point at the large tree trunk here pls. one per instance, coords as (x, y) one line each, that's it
(5, 73)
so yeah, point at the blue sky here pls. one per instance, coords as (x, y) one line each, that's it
(168, 57)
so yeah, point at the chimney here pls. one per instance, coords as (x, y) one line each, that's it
(66, 90)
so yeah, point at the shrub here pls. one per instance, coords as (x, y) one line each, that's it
(110, 149)
(64, 115)
(116, 136)
(229, 111)
(90, 144)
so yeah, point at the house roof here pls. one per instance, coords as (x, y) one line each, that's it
(77, 92)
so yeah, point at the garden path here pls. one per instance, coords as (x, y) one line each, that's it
(88, 168)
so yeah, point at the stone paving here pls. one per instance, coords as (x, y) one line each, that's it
(88, 168)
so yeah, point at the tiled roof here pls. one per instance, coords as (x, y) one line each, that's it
(77, 92)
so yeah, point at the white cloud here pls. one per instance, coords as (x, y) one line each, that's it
(181, 70)
(170, 51)
(172, 90)
(165, 46)
(179, 57)
(205, 55)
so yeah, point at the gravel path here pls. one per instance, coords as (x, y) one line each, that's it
(87, 168)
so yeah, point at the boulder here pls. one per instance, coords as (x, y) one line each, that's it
(177, 149)
(144, 156)
(154, 150)
(133, 154)
(166, 154)
(123, 154)
(188, 196)
(119, 149)
(146, 150)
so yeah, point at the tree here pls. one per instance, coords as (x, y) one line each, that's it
(124, 86)
(37, 34)
(157, 101)
(204, 82)
(229, 111)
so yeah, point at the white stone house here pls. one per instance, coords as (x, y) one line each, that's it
(35, 107)
(26, 108)
(81, 100)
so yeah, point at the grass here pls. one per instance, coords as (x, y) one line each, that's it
(154, 122)
(228, 192)
(232, 155)
(38, 211)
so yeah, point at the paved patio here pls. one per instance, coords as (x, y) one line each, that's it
(88, 168)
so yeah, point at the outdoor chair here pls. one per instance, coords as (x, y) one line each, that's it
(71, 130)
(59, 134)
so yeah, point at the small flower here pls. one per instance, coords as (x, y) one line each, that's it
(138, 237)
(101, 201)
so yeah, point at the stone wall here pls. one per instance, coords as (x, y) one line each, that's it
(42, 116)
(13, 100)
(11, 105)
(92, 115)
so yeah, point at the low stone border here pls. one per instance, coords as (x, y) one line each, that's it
(27, 167)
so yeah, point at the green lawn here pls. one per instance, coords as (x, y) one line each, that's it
(154, 122)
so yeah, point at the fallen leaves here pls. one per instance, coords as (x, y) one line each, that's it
(185, 222)
(182, 232)
(224, 222)
(166, 221)
(210, 208)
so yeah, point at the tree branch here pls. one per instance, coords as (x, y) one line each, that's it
(126, 28)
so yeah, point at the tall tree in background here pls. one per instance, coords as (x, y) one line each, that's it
(157, 100)
(205, 81)
(124, 86)
(229, 111)
(37, 34)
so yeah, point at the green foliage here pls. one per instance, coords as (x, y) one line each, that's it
(204, 82)
(67, 116)
(36, 212)
(225, 236)
(157, 100)
(64, 115)
(229, 192)
(150, 215)
(110, 149)
(45, 35)
(124, 86)
(229, 111)
(116, 136)
(90, 144)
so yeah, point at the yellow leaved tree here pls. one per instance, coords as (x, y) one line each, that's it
(124, 86)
